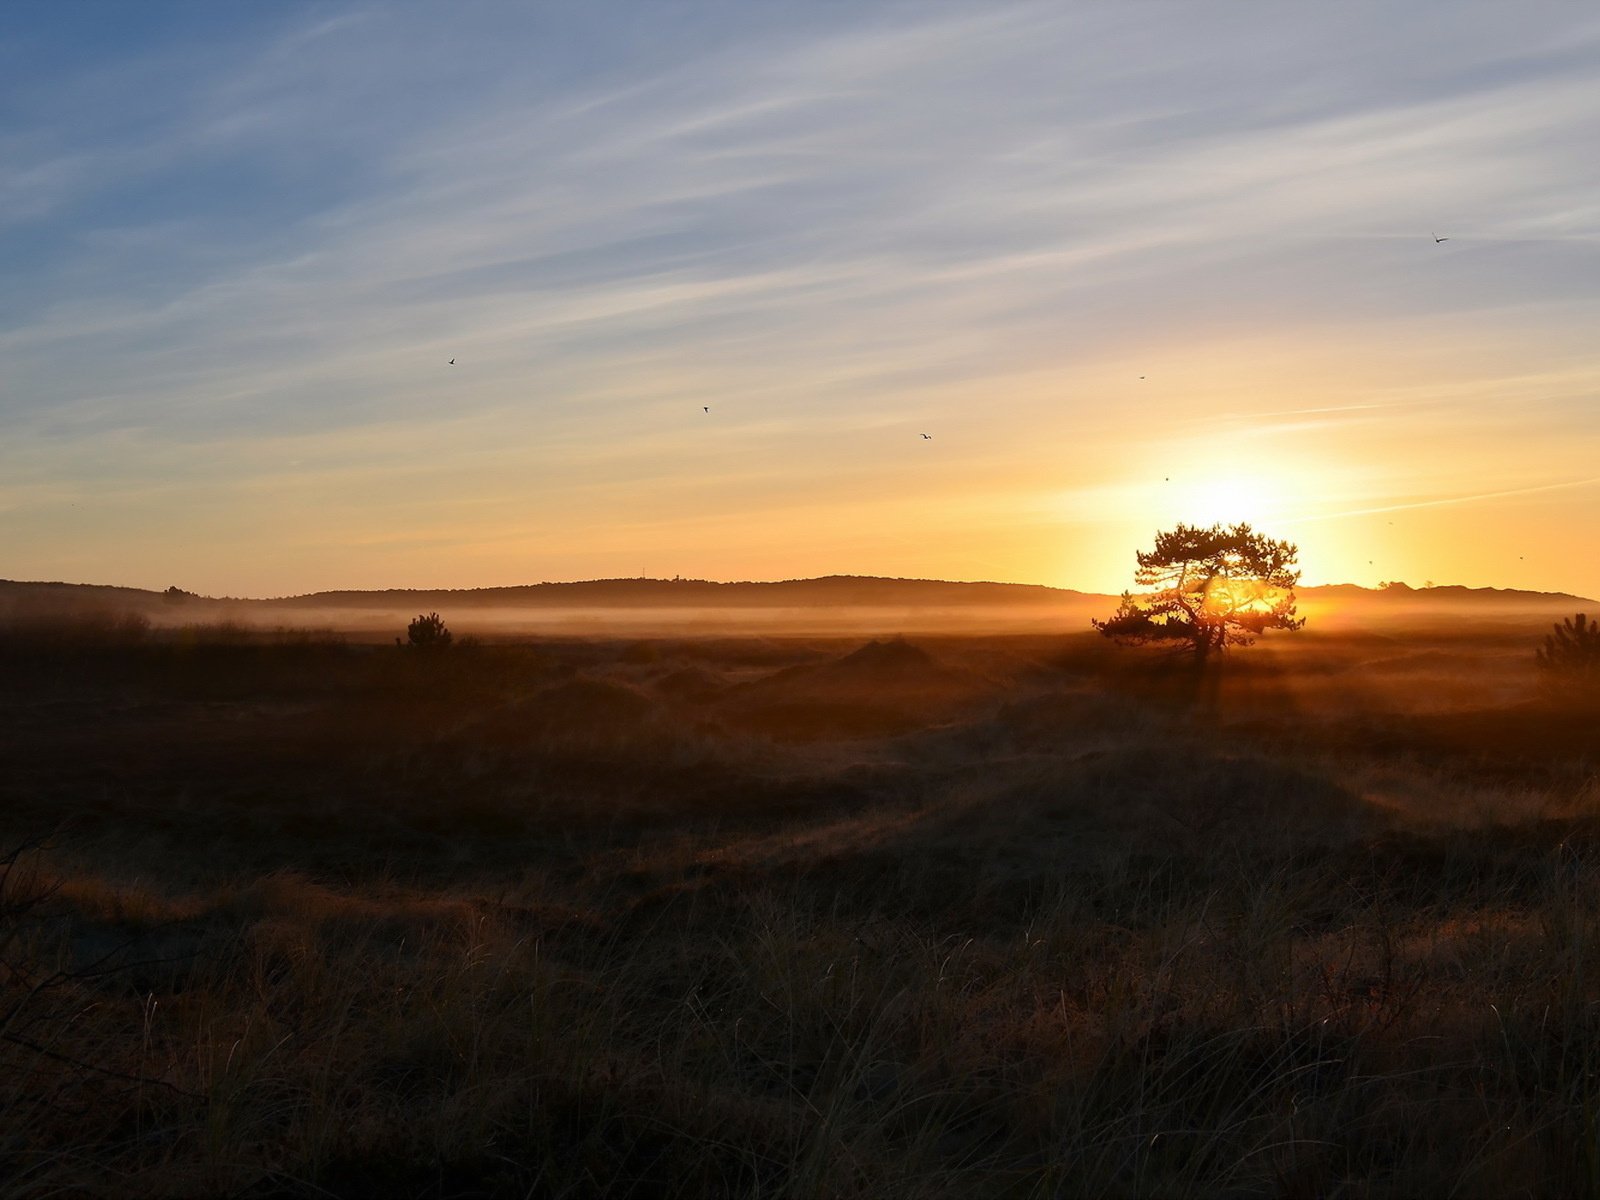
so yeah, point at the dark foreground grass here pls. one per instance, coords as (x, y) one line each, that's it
(588, 919)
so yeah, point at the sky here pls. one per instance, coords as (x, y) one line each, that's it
(1127, 264)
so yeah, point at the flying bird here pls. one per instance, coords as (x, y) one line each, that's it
(452, 362)
(1437, 239)
(927, 437)
(706, 407)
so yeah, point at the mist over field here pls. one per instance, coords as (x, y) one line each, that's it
(842, 605)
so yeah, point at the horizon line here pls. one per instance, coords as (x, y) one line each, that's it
(643, 579)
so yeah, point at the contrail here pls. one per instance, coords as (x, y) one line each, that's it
(1386, 508)
(1295, 412)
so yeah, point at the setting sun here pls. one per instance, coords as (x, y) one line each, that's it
(1226, 499)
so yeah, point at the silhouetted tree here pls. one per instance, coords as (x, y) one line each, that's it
(1571, 654)
(1208, 589)
(428, 632)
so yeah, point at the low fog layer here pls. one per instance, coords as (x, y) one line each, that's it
(835, 606)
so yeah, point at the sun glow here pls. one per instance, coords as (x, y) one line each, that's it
(1227, 499)
(1241, 596)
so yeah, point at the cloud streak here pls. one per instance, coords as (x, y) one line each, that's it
(831, 229)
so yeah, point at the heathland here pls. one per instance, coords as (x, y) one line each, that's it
(995, 908)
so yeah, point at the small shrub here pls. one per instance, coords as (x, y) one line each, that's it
(1570, 656)
(428, 633)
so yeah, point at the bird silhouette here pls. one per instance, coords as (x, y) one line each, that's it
(705, 408)
(927, 437)
(452, 362)
(1437, 239)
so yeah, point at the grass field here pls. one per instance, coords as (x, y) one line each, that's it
(962, 916)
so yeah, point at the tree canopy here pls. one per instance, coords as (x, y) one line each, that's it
(1206, 589)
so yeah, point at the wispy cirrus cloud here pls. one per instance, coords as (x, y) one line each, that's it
(832, 227)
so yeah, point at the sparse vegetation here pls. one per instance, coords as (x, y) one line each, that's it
(428, 632)
(988, 917)
(1570, 656)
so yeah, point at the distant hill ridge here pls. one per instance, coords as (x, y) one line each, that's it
(828, 590)
(1403, 593)
(612, 593)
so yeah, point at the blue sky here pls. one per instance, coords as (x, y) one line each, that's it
(240, 243)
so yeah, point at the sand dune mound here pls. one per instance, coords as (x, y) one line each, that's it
(693, 684)
(582, 703)
(895, 656)
(884, 687)
(878, 667)
(1415, 660)
(577, 710)
(1031, 817)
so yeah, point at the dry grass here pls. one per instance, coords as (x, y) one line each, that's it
(564, 920)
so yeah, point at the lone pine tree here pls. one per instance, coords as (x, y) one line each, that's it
(1208, 589)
